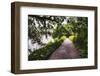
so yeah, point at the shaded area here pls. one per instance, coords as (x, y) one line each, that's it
(49, 33)
(67, 50)
(45, 52)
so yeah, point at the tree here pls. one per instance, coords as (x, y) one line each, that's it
(80, 29)
(74, 28)
(42, 25)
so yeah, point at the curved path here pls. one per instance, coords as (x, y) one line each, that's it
(67, 50)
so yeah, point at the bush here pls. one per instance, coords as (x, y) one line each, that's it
(63, 38)
(45, 52)
(72, 38)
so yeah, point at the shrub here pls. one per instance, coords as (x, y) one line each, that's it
(72, 38)
(45, 52)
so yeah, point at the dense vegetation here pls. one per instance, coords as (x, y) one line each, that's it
(45, 52)
(60, 28)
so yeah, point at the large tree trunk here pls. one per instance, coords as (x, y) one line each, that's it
(67, 50)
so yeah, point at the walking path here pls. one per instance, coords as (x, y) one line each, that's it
(67, 50)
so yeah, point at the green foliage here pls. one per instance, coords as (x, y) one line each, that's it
(72, 38)
(84, 53)
(80, 30)
(45, 52)
(76, 29)
(62, 30)
(63, 38)
(39, 25)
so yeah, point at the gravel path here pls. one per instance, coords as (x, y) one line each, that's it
(67, 50)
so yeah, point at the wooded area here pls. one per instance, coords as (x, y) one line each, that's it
(49, 32)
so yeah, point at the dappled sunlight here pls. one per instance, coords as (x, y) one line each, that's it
(35, 46)
(57, 37)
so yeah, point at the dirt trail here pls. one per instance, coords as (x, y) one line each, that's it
(67, 50)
